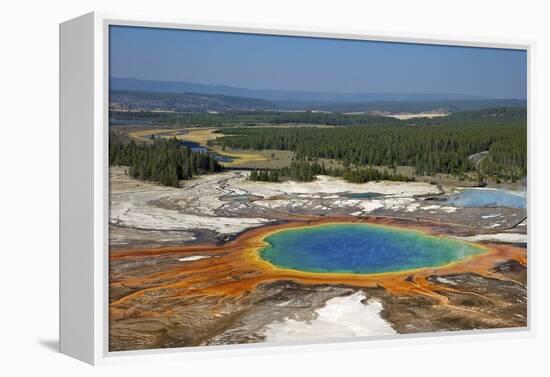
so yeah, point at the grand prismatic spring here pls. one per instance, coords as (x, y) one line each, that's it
(362, 249)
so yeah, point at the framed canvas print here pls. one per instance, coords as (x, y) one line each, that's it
(226, 188)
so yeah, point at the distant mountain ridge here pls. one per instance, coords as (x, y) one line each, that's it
(280, 95)
(445, 106)
(197, 102)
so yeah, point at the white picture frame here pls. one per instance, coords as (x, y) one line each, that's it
(84, 189)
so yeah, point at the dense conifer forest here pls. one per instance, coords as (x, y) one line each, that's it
(254, 118)
(361, 143)
(429, 149)
(306, 171)
(249, 118)
(164, 160)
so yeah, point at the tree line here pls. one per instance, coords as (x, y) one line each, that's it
(164, 161)
(307, 171)
(300, 171)
(250, 118)
(429, 149)
(258, 118)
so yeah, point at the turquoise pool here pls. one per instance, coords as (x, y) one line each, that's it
(489, 197)
(361, 249)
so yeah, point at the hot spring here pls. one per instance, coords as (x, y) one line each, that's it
(489, 197)
(362, 249)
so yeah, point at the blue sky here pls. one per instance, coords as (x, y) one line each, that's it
(297, 63)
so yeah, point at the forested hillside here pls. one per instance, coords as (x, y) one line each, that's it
(184, 102)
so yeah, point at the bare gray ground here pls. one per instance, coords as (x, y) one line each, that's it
(215, 208)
